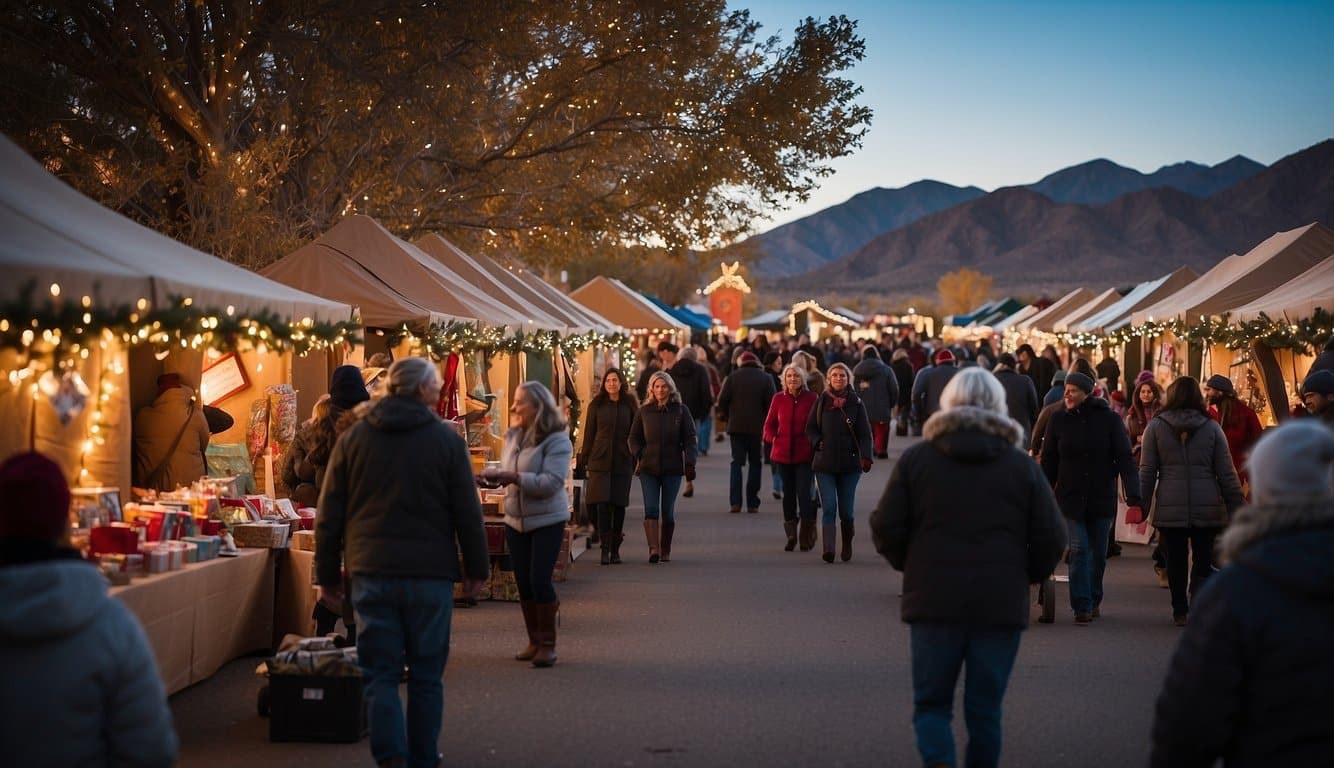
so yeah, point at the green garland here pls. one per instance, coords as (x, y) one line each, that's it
(457, 336)
(67, 329)
(1307, 335)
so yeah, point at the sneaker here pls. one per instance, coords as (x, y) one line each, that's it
(1083, 619)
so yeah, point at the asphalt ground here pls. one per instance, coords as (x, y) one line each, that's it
(737, 653)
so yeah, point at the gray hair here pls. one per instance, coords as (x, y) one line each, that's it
(549, 418)
(975, 387)
(408, 374)
(673, 396)
(798, 369)
(689, 353)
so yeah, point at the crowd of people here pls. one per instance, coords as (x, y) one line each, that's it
(1243, 520)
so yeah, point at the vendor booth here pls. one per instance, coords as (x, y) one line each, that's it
(93, 309)
(644, 321)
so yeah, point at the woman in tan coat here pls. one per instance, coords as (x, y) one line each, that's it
(170, 437)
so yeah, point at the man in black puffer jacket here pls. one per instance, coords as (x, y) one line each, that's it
(692, 382)
(1250, 680)
(744, 404)
(1084, 451)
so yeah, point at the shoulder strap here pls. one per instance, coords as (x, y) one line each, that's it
(151, 480)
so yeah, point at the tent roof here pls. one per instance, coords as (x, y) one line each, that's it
(529, 286)
(398, 266)
(1043, 321)
(1018, 317)
(1296, 299)
(997, 312)
(618, 302)
(1087, 309)
(1117, 314)
(774, 318)
(1238, 280)
(500, 285)
(692, 320)
(54, 234)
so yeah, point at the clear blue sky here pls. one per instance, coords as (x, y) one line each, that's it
(995, 94)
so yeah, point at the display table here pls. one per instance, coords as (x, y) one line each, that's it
(204, 615)
(296, 594)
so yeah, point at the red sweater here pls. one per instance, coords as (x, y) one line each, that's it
(785, 427)
(1242, 429)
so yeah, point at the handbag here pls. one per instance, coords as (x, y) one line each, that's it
(151, 480)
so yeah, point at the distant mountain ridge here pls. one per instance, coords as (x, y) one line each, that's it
(825, 236)
(822, 237)
(1028, 242)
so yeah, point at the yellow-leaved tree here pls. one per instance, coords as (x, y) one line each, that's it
(962, 290)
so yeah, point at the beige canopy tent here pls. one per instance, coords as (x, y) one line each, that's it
(1238, 280)
(616, 301)
(399, 268)
(1043, 321)
(1296, 299)
(503, 287)
(1087, 309)
(71, 248)
(1117, 314)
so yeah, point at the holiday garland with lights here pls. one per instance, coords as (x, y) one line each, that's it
(457, 336)
(66, 329)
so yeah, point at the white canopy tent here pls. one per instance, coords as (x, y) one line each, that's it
(1296, 299)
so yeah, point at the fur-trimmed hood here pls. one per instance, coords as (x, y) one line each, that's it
(970, 433)
(1287, 543)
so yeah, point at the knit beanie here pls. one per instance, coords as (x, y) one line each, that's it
(944, 356)
(748, 358)
(1081, 381)
(35, 498)
(1319, 383)
(1221, 383)
(346, 389)
(1293, 464)
(1143, 377)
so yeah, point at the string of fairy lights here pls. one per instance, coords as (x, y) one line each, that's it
(458, 337)
(1309, 334)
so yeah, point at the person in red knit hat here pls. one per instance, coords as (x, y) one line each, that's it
(66, 646)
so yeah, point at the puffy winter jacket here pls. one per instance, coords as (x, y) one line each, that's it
(663, 440)
(785, 427)
(841, 436)
(1185, 462)
(878, 388)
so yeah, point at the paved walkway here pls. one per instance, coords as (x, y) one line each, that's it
(738, 654)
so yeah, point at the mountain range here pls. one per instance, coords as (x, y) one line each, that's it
(1029, 243)
(823, 237)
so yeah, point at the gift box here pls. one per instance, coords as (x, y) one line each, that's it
(208, 546)
(304, 541)
(262, 535)
(119, 538)
(495, 538)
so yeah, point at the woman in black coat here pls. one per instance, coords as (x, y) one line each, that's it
(1186, 471)
(1250, 681)
(971, 522)
(605, 459)
(664, 444)
(903, 373)
(840, 433)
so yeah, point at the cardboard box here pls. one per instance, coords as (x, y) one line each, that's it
(316, 708)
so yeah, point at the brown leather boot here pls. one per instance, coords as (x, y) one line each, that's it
(848, 530)
(790, 528)
(667, 530)
(546, 634)
(652, 532)
(529, 608)
(806, 534)
(830, 532)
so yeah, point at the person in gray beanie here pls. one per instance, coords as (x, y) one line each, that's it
(1250, 680)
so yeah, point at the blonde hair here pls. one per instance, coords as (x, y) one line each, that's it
(549, 418)
(794, 367)
(673, 395)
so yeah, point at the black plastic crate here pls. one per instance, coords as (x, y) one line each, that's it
(315, 708)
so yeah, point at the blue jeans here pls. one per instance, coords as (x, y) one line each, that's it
(702, 431)
(533, 554)
(746, 449)
(1088, 561)
(938, 652)
(660, 496)
(403, 619)
(838, 494)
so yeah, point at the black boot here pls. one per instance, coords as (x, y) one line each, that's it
(790, 528)
(830, 532)
(617, 533)
(806, 534)
(606, 537)
(846, 554)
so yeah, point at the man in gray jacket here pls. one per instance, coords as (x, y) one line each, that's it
(399, 505)
(928, 386)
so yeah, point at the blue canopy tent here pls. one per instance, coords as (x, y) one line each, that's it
(693, 320)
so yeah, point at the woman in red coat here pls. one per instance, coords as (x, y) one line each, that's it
(790, 451)
(1238, 420)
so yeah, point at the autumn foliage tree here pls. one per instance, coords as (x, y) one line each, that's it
(962, 290)
(545, 130)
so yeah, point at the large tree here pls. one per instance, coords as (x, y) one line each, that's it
(546, 130)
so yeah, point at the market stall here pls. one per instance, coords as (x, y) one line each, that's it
(620, 304)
